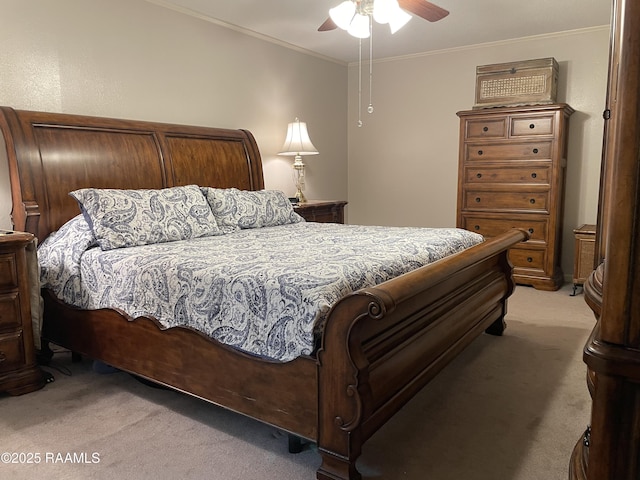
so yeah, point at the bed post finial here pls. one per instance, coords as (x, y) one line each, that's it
(27, 219)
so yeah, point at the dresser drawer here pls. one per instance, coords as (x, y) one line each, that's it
(9, 311)
(11, 352)
(491, 227)
(496, 200)
(527, 258)
(534, 125)
(538, 174)
(8, 271)
(509, 151)
(486, 128)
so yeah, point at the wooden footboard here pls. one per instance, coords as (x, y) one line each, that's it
(383, 344)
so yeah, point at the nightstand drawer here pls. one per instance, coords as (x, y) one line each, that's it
(539, 174)
(321, 211)
(322, 216)
(8, 271)
(509, 151)
(496, 200)
(10, 311)
(11, 352)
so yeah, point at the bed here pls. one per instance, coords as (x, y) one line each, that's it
(378, 345)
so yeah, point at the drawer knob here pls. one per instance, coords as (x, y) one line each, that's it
(532, 126)
(477, 199)
(534, 175)
(485, 129)
(532, 201)
(480, 152)
(529, 259)
(477, 227)
(3, 356)
(531, 230)
(478, 175)
(535, 150)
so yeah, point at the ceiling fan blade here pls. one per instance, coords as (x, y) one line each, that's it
(424, 9)
(327, 25)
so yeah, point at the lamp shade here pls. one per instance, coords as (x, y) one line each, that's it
(298, 141)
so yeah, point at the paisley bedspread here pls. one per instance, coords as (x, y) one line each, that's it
(265, 291)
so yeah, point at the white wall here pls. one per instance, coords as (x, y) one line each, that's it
(403, 162)
(134, 59)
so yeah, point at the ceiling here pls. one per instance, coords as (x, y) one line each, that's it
(470, 22)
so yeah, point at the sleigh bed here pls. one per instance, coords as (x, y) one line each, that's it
(377, 347)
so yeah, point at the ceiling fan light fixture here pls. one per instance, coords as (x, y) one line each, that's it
(359, 26)
(357, 17)
(342, 15)
(382, 10)
(398, 19)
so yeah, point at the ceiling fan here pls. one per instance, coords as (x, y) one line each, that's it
(357, 16)
(354, 9)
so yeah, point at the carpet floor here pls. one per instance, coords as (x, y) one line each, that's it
(508, 408)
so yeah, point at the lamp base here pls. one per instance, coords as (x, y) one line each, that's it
(300, 198)
(298, 169)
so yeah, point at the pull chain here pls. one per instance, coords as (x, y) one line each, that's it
(360, 84)
(370, 108)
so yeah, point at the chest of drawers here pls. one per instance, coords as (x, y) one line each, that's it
(18, 370)
(511, 174)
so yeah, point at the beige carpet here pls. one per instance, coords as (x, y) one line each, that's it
(509, 408)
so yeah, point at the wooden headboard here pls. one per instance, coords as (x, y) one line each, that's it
(52, 154)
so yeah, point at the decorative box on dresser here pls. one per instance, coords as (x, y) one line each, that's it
(18, 370)
(511, 174)
(323, 211)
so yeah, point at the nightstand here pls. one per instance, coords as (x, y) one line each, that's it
(323, 211)
(585, 238)
(19, 372)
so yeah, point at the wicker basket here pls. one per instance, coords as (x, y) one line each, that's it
(529, 82)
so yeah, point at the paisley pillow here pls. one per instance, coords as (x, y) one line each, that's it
(236, 209)
(127, 218)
